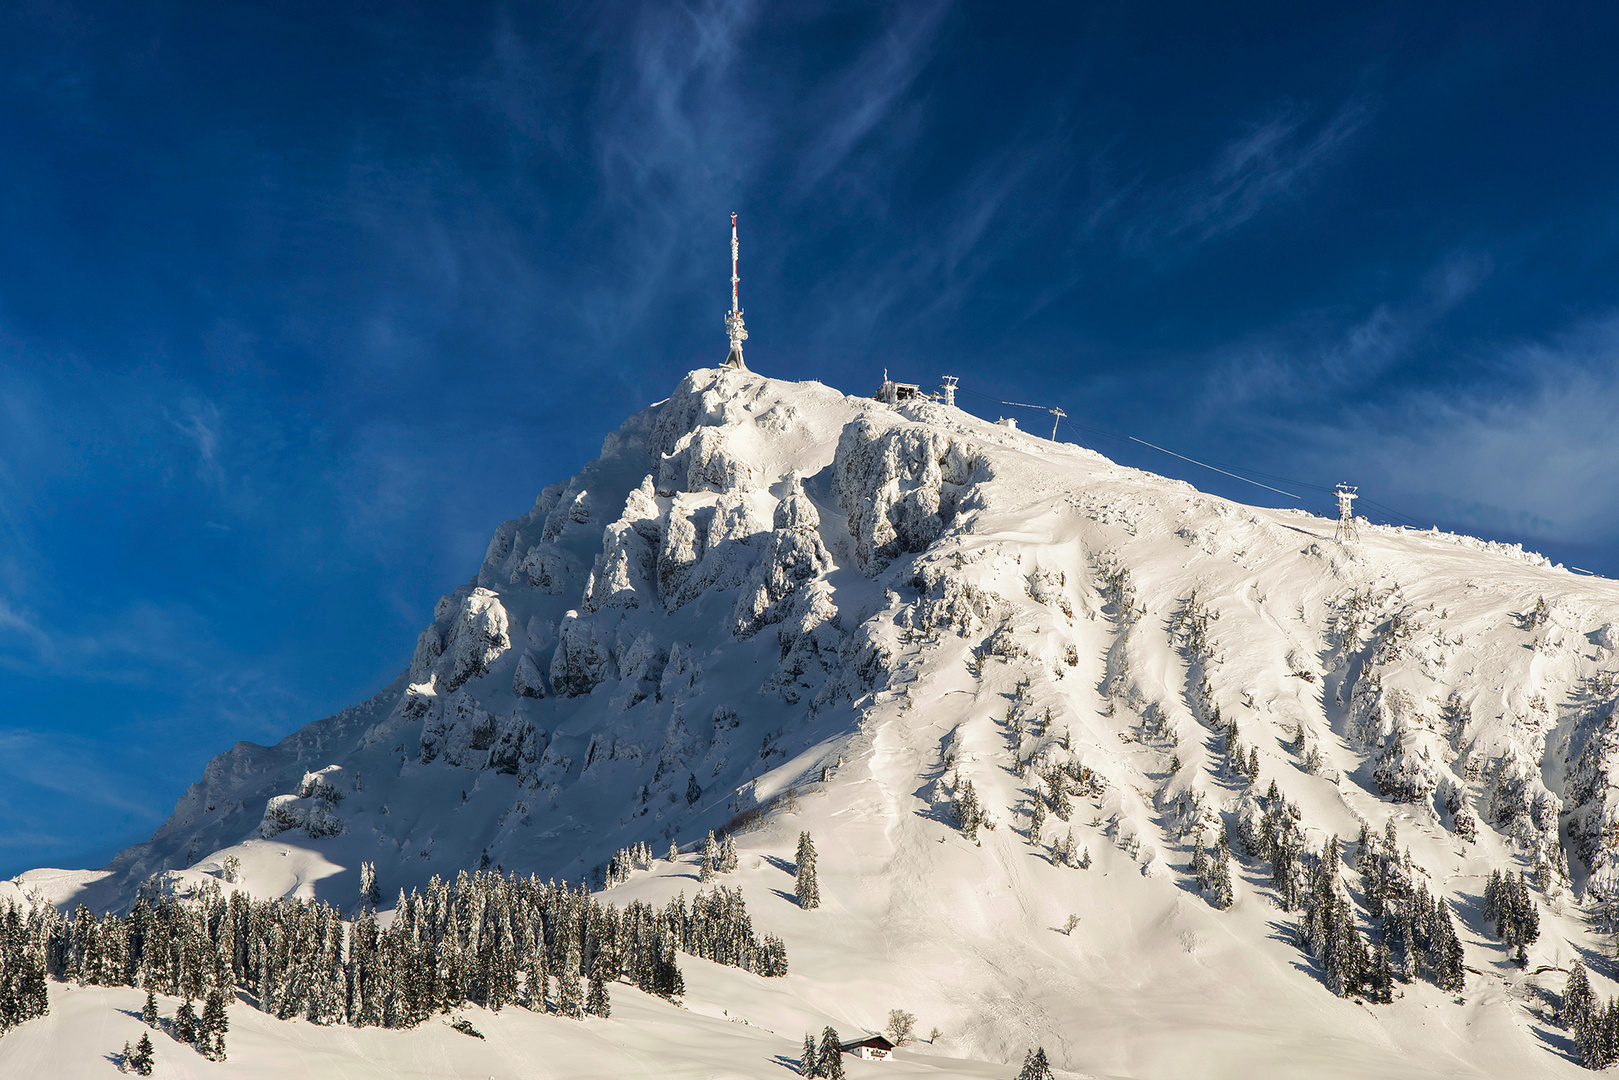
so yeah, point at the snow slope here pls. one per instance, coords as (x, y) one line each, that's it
(773, 605)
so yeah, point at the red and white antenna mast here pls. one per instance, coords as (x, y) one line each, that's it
(733, 318)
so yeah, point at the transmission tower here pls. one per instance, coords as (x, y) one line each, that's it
(733, 318)
(948, 387)
(1346, 515)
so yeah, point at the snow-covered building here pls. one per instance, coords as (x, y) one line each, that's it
(892, 393)
(872, 1048)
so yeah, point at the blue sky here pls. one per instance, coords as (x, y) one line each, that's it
(297, 302)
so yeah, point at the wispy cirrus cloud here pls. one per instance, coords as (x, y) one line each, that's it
(1273, 161)
(202, 423)
(869, 91)
(65, 764)
(1319, 353)
(1516, 454)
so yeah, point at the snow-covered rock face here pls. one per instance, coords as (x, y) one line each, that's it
(900, 487)
(464, 640)
(763, 588)
(312, 808)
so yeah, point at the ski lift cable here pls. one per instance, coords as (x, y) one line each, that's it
(1223, 472)
(1132, 438)
(1388, 511)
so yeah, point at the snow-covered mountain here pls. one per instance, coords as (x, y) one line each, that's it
(771, 607)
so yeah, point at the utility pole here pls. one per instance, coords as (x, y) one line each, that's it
(733, 318)
(1346, 515)
(1056, 418)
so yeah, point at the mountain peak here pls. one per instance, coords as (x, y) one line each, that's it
(770, 605)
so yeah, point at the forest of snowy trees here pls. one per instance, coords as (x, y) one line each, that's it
(22, 971)
(485, 938)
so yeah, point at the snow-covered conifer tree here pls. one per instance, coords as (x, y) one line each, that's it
(185, 1022)
(1057, 793)
(1578, 999)
(1220, 891)
(1035, 1066)
(804, 886)
(711, 856)
(829, 1063)
(967, 809)
(370, 895)
(597, 1002)
(807, 1061)
(570, 994)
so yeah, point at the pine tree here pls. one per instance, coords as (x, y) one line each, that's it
(141, 1062)
(149, 1010)
(1056, 793)
(693, 792)
(829, 1065)
(1037, 818)
(711, 857)
(370, 895)
(213, 1025)
(126, 1058)
(1380, 979)
(185, 1022)
(969, 814)
(570, 997)
(804, 886)
(1447, 950)
(1578, 1000)
(674, 852)
(666, 978)
(1221, 893)
(597, 1002)
(806, 1057)
(1035, 1066)
(728, 856)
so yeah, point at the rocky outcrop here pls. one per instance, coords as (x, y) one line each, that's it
(582, 661)
(793, 556)
(469, 633)
(312, 809)
(901, 486)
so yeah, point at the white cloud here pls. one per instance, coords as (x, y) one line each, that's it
(1531, 455)
(201, 422)
(868, 91)
(56, 761)
(1273, 161)
(1320, 354)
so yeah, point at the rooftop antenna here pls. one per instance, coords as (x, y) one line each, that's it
(733, 318)
(1056, 418)
(949, 388)
(1346, 515)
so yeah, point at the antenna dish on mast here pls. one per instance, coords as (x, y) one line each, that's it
(733, 318)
